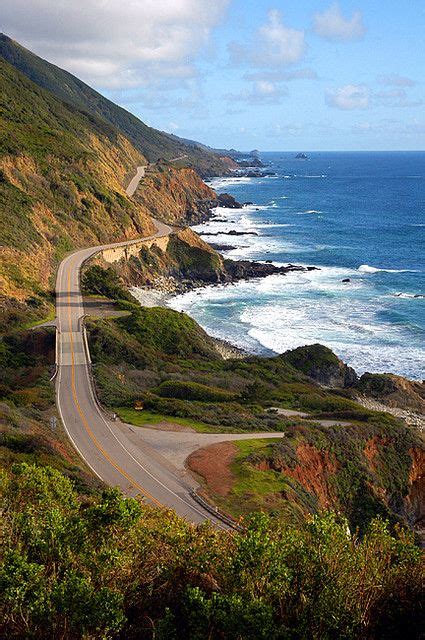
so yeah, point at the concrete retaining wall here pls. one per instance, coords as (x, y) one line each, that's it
(119, 253)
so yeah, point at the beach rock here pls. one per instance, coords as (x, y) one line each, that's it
(232, 232)
(244, 269)
(346, 280)
(393, 390)
(255, 162)
(221, 247)
(228, 201)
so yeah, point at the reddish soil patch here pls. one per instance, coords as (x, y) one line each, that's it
(416, 496)
(314, 470)
(61, 450)
(371, 450)
(213, 464)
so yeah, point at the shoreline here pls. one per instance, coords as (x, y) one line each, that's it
(174, 289)
(156, 298)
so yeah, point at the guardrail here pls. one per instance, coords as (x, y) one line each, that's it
(55, 372)
(214, 510)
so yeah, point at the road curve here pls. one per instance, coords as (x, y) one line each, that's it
(107, 451)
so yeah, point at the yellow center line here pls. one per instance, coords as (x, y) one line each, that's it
(83, 417)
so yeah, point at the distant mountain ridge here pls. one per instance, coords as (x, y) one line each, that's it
(150, 142)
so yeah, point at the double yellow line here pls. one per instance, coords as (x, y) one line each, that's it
(84, 419)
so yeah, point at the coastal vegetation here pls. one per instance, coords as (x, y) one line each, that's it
(110, 567)
(325, 547)
(149, 142)
(164, 361)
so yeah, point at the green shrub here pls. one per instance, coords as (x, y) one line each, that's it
(193, 391)
(115, 568)
(105, 282)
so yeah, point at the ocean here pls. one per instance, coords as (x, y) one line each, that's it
(356, 216)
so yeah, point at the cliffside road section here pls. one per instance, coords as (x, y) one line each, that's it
(108, 452)
(134, 182)
(138, 465)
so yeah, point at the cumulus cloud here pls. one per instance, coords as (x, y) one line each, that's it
(351, 96)
(279, 75)
(396, 96)
(261, 92)
(273, 45)
(332, 25)
(115, 44)
(401, 129)
(394, 80)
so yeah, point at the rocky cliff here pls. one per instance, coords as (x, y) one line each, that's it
(61, 185)
(176, 196)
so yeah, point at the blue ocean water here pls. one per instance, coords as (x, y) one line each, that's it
(353, 215)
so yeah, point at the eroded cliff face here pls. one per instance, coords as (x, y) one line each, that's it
(49, 212)
(173, 263)
(176, 196)
(415, 500)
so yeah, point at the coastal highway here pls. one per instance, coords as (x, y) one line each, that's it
(139, 462)
(110, 454)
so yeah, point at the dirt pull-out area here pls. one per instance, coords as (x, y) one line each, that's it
(213, 464)
(169, 426)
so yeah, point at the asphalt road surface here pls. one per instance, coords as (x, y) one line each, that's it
(106, 450)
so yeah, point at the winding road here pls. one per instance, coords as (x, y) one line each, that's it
(113, 454)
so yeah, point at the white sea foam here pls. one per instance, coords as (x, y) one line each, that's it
(416, 296)
(366, 268)
(282, 312)
(221, 183)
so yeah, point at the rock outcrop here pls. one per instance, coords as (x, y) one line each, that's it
(320, 364)
(394, 391)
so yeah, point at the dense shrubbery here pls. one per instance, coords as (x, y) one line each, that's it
(105, 282)
(192, 391)
(113, 568)
(168, 332)
(164, 358)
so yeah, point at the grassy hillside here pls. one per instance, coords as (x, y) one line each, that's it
(61, 184)
(340, 456)
(153, 144)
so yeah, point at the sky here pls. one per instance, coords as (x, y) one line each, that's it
(280, 75)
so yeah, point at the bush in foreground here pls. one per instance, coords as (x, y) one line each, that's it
(113, 568)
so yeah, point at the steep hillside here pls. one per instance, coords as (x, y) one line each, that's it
(150, 142)
(183, 194)
(61, 184)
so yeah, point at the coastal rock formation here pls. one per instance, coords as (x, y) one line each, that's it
(183, 261)
(320, 364)
(244, 269)
(394, 391)
(228, 201)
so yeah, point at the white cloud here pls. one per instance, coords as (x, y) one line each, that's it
(279, 75)
(396, 96)
(351, 96)
(401, 129)
(261, 92)
(113, 43)
(273, 45)
(394, 80)
(332, 25)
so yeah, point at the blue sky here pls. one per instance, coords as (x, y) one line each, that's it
(309, 75)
